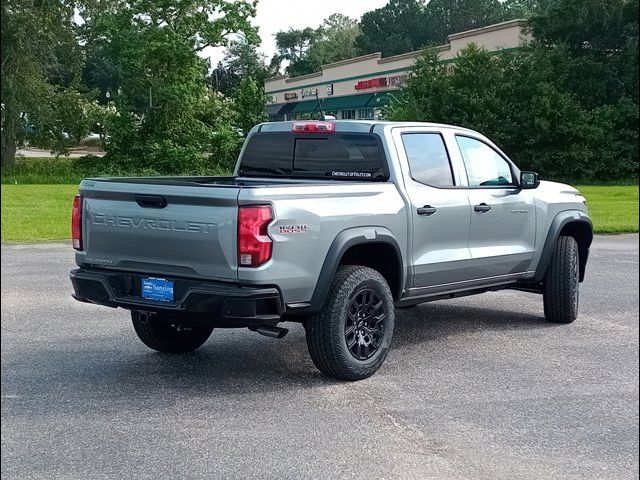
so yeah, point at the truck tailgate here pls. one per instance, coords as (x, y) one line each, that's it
(168, 229)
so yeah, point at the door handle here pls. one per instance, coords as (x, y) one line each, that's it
(482, 208)
(427, 210)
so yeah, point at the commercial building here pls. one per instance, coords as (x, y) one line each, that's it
(357, 88)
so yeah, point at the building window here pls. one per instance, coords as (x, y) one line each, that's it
(348, 114)
(365, 113)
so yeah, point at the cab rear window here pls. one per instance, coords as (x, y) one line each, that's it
(338, 156)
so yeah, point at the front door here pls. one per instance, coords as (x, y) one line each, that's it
(440, 215)
(502, 233)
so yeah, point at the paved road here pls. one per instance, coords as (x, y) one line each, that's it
(474, 388)
(41, 153)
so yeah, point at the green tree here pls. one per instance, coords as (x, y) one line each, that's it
(292, 46)
(523, 8)
(587, 25)
(335, 40)
(601, 38)
(244, 58)
(40, 59)
(444, 17)
(408, 25)
(308, 49)
(527, 102)
(221, 115)
(156, 79)
(68, 118)
(241, 59)
(398, 27)
(249, 101)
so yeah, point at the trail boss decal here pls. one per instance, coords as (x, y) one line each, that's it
(289, 229)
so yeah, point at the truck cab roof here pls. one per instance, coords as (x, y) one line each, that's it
(351, 126)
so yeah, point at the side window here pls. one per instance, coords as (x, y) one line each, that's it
(428, 159)
(485, 167)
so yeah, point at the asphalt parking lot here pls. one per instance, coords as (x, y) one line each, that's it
(479, 387)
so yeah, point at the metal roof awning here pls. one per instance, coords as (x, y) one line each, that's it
(332, 104)
(308, 106)
(346, 102)
(275, 109)
(287, 108)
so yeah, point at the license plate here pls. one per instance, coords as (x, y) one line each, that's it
(159, 289)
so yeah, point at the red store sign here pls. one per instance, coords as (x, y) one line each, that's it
(373, 83)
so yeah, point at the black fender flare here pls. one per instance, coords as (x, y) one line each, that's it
(560, 221)
(343, 241)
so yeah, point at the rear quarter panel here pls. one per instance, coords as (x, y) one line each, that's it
(307, 220)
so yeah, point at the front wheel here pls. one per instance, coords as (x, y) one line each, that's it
(350, 337)
(561, 286)
(160, 332)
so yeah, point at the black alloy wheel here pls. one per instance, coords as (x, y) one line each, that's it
(364, 325)
(350, 337)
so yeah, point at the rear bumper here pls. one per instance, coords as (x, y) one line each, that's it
(216, 300)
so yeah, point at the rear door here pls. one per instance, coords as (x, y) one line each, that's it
(167, 229)
(440, 216)
(502, 233)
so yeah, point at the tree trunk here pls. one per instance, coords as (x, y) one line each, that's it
(9, 137)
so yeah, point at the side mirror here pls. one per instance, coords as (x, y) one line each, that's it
(529, 180)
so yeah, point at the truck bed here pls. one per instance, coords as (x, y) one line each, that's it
(215, 181)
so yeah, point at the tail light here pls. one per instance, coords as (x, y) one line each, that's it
(76, 222)
(313, 127)
(254, 244)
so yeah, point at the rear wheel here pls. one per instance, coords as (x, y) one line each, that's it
(561, 286)
(350, 337)
(159, 332)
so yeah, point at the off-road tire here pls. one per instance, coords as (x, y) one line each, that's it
(326, 330)
(159, 333)
(561, 285)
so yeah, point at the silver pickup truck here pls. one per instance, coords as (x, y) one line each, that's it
(332, 224)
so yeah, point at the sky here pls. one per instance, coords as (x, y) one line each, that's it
(276, 15)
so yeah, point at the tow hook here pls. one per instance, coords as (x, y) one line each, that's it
(269, 331)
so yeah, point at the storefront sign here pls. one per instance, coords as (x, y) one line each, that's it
(309, 92)
(290, 96)
(380, 82)
(397, 80)
(330, 89)
(373, 83)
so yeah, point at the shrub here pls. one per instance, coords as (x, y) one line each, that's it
(535, 105)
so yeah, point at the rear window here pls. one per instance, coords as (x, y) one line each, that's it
(341, 156)
(267, 155)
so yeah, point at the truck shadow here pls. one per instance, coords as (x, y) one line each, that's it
(442, 320)
(116, 371)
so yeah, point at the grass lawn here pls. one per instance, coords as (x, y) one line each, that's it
(43, 212)
(612, 209)
(48, 171)
(36, 212)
